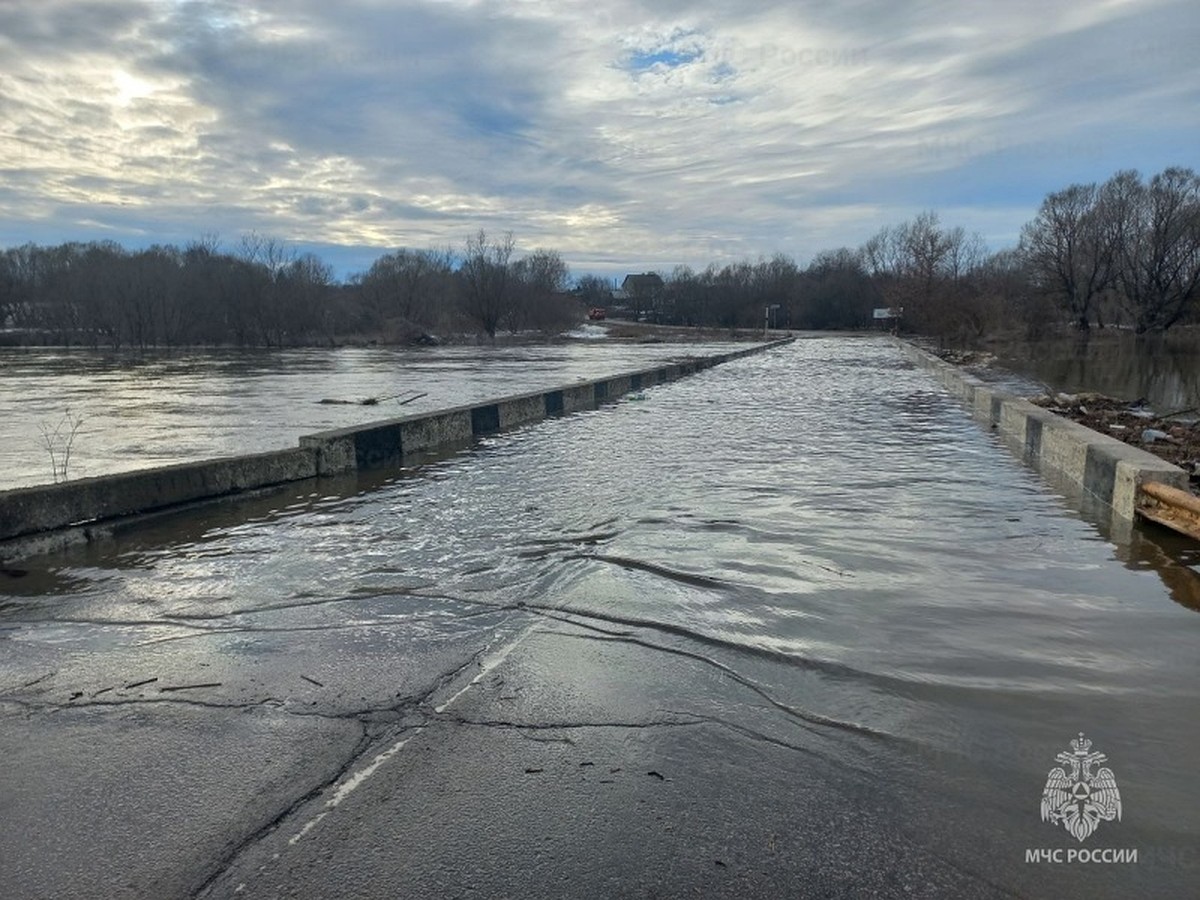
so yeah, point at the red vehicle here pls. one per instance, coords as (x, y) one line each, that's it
(596, 313)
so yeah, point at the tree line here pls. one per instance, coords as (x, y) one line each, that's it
(264, 294)
(1125, 252)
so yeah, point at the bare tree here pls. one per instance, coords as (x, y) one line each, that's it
(1070, 252)
(407, 285)
(266, 251)
(303, 289)
(268, 304)
(1155, 230)
(484, 274)
(835, 292)
(538, 285)
(926, 250)
(1007, 286)
(688, 296)
(594, 291)
(966, 253)
(929, 272)
(776, 283)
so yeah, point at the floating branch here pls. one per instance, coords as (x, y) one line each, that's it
(375, 401)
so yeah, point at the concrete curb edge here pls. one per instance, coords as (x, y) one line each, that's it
(1103, 467)
(45, 509)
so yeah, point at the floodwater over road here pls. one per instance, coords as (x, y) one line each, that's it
(159, 408)
(795, 626)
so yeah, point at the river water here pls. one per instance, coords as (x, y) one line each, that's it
(865, 574)
(159, 408)
(1162, 370)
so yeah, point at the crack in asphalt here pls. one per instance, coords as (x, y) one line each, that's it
(419, 701)
(366, 744)
(567, 726)
(375, 733)
(30, 684)
(222, 865)
(371, 737)
(409, 702)
(271, 702)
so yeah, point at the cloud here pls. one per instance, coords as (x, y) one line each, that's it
(624, 134)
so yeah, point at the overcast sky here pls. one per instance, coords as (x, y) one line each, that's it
(627, 135)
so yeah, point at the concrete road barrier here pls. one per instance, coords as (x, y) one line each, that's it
(1102, 467)
(51, 508)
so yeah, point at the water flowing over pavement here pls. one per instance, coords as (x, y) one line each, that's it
(794, 626)
(156, 408)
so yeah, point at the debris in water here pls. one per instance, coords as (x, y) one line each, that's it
(966, 358)
(1176, 442)
(374, 401)
(1150, 435)
(189, 687)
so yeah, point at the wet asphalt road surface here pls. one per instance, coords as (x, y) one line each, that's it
(715, 642)
(541, 769)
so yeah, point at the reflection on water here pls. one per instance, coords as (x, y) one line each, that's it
(1162, 369)
(1175, 559)
(159, 408)
(878, 580)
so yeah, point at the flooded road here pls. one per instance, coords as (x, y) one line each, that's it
(161, 408)
(793, 626)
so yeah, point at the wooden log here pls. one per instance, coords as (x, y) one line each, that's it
(1169, 506)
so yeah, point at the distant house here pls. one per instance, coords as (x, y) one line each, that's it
(643, 293)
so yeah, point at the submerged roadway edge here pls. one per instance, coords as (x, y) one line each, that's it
(35, 518)
(1105, 469)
